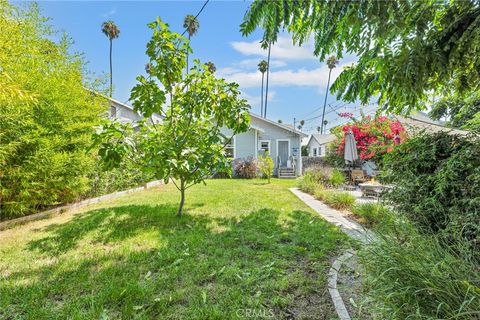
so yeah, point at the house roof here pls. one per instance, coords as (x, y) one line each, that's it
(120, 103)
(283, 126)
(421, 122)
(280, 125)
(322, 138)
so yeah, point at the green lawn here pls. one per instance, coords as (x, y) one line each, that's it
(244, 249)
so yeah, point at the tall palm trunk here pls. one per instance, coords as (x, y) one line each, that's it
(325, 102)
(268, 73)
(111, 72)
(261, 105)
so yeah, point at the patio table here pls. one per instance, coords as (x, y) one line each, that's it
(373, 189)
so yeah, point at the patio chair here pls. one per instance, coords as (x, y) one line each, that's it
(358, 176)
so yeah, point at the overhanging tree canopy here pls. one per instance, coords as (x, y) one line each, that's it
(405, 49)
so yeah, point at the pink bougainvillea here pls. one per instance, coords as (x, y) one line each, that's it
(374, 137)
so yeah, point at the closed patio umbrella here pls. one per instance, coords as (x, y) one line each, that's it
(351, 154)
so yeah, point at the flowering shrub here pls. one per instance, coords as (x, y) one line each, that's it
(246, 168)
(374, 137)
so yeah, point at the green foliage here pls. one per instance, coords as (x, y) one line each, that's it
(335, 199)
(188, 145)
(304, 151)
(265, 164)
(308, 183)
(246, 168)
(332, 157)
(337, 178)
(339, 200)
(405, 49)
(414, 276)
(459, 110)
(46, 116)
(126, 176)
(436, 178)
(372, 214)
(324, 176)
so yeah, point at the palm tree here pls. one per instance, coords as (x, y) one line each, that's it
(211, 67)
(191, 24)
(331, 63)
(110, 29)
(262, 67)
(268, 74)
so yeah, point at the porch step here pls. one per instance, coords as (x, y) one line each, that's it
(286, 173)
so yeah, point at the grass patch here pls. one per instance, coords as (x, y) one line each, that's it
(371, 214)
(414, 276)
(335, 199)
(241, 245)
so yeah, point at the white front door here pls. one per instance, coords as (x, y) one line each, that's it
(283, 147)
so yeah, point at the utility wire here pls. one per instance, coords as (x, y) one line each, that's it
(199, 12)
(333, 110)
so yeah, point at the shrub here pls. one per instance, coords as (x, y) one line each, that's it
(417, 277)
(246, 168)
(307, 184)
(265, 164)
(47, 117)
(336, 179)
(336, 200)
(372, 214)
(437, 178)
(319, 174)
(321, 194)
(124, 177)
(339, 200)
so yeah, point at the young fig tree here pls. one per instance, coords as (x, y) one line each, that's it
(266, 165)
(187, 145)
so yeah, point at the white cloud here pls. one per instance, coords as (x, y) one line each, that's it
(255, 100)
(299, 78)
(282, 49)
(110, 13)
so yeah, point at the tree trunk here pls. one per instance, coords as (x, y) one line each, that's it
(325, 102)
(111, 72)
(261, 106)
(182, 198)
(186, 72)
(268, 73)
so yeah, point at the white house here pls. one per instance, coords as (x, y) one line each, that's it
(317, 144)
(125, 113)
(281, 141)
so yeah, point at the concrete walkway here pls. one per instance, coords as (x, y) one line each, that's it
(351, 228)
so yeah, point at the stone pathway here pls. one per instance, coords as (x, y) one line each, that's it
(349, 227)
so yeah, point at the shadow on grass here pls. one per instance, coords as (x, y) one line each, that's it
(194, 267)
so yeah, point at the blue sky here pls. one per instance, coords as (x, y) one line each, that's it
(297, 81)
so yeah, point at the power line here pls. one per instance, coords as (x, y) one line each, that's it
(313, 111)
(199, 12)
(333, 110)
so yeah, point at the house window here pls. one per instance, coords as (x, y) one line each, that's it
(320, 151)
(265, 145)
(314, 152)
(230, 148)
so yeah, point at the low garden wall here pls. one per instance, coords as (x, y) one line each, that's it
(308, 162)
(61, 209)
